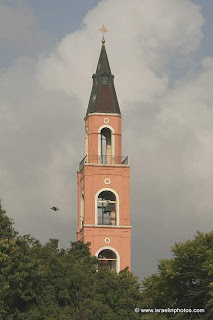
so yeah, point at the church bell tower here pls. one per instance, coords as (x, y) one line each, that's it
(104, 176)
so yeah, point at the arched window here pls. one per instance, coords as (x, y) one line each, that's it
(105, 80)
(107, 259)
(106, 146)
(107, 208)
(82, 210)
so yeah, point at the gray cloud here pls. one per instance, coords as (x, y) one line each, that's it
(19, 31)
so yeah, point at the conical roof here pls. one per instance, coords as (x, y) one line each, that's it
(103, 98)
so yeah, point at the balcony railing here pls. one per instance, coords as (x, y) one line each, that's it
(103, 159)
(106, 221)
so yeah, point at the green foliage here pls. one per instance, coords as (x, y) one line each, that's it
(186, 281)
(6, 231)
(43, 282)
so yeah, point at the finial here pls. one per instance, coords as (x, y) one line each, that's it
(103, 30)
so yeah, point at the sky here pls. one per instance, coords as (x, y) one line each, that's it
(161, 53)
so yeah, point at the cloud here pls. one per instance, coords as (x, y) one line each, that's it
(167, 125)
(39, 152)
(19, 29)
(173, 180)
(151, 32)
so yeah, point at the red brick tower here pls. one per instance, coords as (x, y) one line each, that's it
(103, 177)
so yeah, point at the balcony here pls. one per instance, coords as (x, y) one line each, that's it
(108, 160)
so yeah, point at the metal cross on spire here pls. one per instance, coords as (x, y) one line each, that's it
(103, 30)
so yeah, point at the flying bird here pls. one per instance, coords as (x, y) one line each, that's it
(54, 208)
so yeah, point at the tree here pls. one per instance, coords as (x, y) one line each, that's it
(43, 282)
(17, 270)
(186, 281)
(6, 231)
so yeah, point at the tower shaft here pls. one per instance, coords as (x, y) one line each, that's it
(104, 176)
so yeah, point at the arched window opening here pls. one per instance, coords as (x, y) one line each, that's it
(106, 146)
(105, 80)
(82, 210)
(107, 259)
(107, 208)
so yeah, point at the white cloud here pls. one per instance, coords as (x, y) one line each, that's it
(141, 35)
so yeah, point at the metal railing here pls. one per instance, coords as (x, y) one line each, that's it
(103, 159)
(81, 164)
(106, 221)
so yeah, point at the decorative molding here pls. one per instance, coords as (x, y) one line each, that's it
(106, 126)
(103, 114)
(107, 226)
(107, 165)
(107, 181)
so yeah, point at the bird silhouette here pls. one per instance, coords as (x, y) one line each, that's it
(54, 208)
